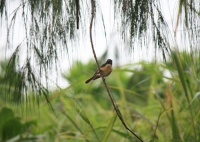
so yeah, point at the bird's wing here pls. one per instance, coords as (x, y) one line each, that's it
(103, 65)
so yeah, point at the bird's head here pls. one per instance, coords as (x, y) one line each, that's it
(109, 61)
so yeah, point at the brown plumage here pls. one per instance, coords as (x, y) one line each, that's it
(105, 70)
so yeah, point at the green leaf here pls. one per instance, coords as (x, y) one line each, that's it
(109, 128)
(196, 95)
(180, 73)
(11, 128)
(125, 135)
(83, 116)
(174, 127)
(5, 115)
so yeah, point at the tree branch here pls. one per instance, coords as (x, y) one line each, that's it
(77, 11)
(106, 86)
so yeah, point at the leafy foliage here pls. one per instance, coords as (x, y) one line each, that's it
(145, 22)
(157, 107)
(10, 126)
(49, 26)
(150, 97)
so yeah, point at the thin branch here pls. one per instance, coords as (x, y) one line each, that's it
(106, 86)
(154, 135)
(157, 122)
(77, 11)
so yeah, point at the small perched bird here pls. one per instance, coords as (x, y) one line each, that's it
(105, 70)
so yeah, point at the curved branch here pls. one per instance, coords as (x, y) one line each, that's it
(106, 86)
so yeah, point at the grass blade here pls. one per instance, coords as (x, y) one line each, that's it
(109, 129)
(178, 64)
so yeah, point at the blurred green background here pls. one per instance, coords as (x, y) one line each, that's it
(158, 101)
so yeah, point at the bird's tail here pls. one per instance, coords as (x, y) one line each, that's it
(87, 81)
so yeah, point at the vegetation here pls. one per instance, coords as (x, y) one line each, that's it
(159, 102)
(52, 29)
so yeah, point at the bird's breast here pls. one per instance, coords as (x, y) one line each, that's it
(107, 70)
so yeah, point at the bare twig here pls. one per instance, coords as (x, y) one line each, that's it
(106, 86)
(156, 125)
(157, 122)
(77, 11)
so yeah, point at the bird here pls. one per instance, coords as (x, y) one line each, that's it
(105, 70)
